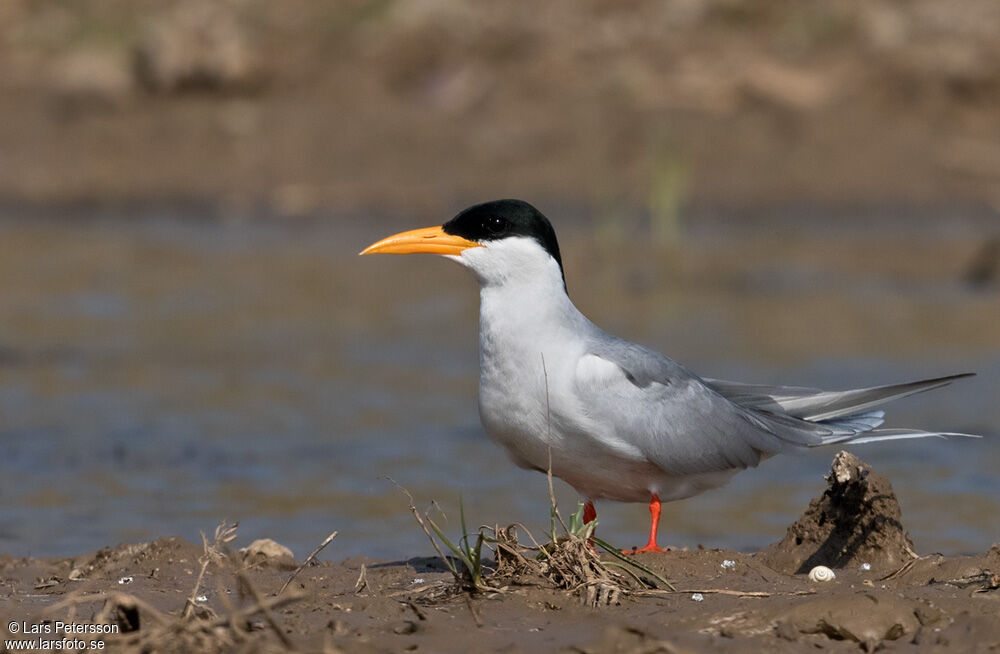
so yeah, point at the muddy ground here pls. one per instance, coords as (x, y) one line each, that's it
(884, 596)
(309, 106)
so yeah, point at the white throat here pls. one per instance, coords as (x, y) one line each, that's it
(518, 260)
(522, 288)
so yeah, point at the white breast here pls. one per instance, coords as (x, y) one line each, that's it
(533, 347)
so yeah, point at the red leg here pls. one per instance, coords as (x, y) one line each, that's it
(654, 523)
(589, 515)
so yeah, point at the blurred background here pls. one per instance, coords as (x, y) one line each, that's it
(766, 190)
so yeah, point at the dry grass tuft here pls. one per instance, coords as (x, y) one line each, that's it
(197, 628)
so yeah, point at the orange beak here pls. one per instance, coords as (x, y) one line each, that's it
(430, 240)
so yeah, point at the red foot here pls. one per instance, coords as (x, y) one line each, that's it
(650, 547)
(654, 523)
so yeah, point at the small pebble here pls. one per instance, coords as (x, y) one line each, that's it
(698, 597)
(407, 627)
(728, 564)
(821, 573)
(125, 580)
(866, 566)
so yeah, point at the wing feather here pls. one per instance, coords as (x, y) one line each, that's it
(816, 405)
(687, 425)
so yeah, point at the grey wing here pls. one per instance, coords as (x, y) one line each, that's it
(850, 415)
(688, 425)
(666, 412)
(816, 405)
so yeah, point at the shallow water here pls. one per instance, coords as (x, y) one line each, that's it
(159, 373)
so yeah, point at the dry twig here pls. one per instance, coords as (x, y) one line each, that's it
(309, 559)
(423, 526)
(77, 598)
(721, 591)
(224, 533)
(246, 584)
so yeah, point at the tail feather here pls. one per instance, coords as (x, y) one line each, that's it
(860, 422)
(815, 405)
(899, 434)
(808, 417)
(834, 404)
(857, 429)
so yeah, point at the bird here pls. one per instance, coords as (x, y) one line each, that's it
(616, 420)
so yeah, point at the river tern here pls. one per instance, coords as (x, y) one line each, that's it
(616, 420)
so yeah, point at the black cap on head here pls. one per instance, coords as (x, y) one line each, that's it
(492, 221)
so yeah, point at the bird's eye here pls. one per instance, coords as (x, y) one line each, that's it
(495, 224)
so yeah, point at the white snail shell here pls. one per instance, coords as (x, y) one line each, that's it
(821, 573)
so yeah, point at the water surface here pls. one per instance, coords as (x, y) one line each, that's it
(162, 372)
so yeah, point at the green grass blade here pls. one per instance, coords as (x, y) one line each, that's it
(617, 553)
(626, 570)
(576, 520)
(444, 539)
(465, 530)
